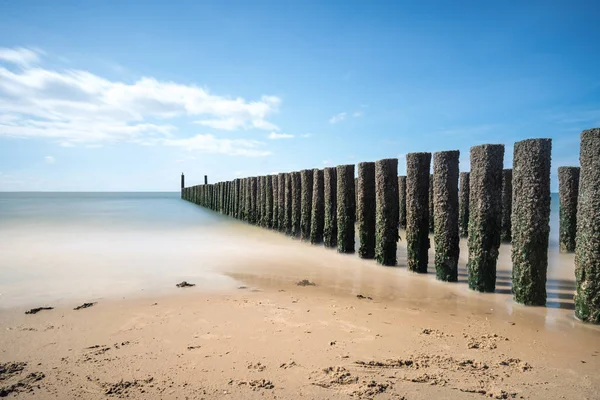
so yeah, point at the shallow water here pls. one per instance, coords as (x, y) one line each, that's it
(62, 247)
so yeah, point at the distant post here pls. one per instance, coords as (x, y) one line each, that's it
(182, 184)
(568, 190)
(402, 201)
(531, 216)
(507, 193)
(417, 211)
(206, 179)
(463, 212)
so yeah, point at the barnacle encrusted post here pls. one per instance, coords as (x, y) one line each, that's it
(402, 202)
(445, 205)
(417, 211)
(365, 209)
(463, 205)
(531, 220)
(317, 220)
(386, 199)
(568, 190)
(506, 232)
(485, 215)
(346, 208)
(587, 251)
(330, 207)
(296, 203)
(431, 226)
(306, 182)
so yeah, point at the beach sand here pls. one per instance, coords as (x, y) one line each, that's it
(362, 331)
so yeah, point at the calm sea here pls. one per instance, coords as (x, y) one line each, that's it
(59, 246)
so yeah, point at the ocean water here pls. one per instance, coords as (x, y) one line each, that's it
(58, 247)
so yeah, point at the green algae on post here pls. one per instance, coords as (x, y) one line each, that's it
(281, 202)
(288, 203)
(485, 214)
(531, 220)
(330, 207)
(507, 193)
(386, 199)
(306, 183)
(346, 208)
(275, 202)
(587, 250)
(431, 227)
(402, 202)
(296, 204)
(268, 215)
(365, 209)
(417, 211)
(445, 206)
(568, 190)
(317, 221)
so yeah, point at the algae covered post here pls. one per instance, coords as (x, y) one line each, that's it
(587, 251)
(507, 193)
(445, 206)
(288, 202)
(346, 208)
(568, 190)
(330, 209)
(275, 200)
(485, 215)
(296, 203)
(531, 217)
(365, 209)
(431, 227)
(306, 183)
(318, 207)
(402, 202)
(463, 205)
(386, 198)
(281, 202)
(417, 211)
(268, 217)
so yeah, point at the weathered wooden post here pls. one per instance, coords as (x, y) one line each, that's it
(236, 198)
(183, 196)
(417, 211)
(587, 250)
(365, 209)
(281, 225)
(507, 193)
(346, 208)
(275, 202)
(306, 182)
(206, 179)
(254, 200)
(485, 215)
(268, 215)
(568, 190)
(531, 217)
(463, 200)
(317, 221)
(296, 204)
(445, 206)
(387, 209)
(330, 207)
(402, 202)
(431, 205)
(263, 200)
(288, 203)
(248, 203)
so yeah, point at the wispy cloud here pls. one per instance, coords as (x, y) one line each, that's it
(275, 136)
(78, 107)
(210, 144)
(20, 56)
(49, 160)
(337, 118)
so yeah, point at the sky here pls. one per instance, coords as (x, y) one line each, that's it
(127, 95)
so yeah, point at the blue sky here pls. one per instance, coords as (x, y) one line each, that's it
(125, 95)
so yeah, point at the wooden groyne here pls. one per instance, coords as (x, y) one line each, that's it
(486, 205)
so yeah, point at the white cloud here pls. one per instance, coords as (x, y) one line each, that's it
(20, 56)
(75, 107)
(337, 118)
(275, 136)
(210, 144)
(49, 160)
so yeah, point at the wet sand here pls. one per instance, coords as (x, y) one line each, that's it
(262, 336)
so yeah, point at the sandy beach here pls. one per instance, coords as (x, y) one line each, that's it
(361, 331)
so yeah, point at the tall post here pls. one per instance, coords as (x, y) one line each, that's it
(317, 221)
(402, 202)
(288, 203)
(365, 209)
(568, 190)
(330, 209)
(485, 215)
(587, 251)
(346, 208)
(281, 225)
(275, 202)
(431, 206)
(507, 192)
(386, 199)
(263, 200)
(268, 215)
(306, 184)
(296, 203)
(417, 211)
(445, 206)
(254, 200)
(531, 216)
(463, 212)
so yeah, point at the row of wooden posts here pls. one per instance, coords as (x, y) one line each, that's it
(492, 205)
